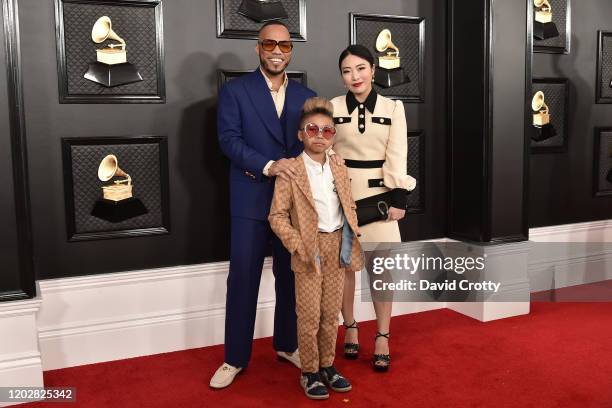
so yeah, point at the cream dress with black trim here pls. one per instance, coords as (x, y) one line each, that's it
(372, 138)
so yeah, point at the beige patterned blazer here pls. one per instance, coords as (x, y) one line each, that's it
(293, 217)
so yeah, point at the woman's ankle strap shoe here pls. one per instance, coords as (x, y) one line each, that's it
(351, 350)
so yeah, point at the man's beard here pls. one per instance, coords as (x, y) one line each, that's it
(271, 68)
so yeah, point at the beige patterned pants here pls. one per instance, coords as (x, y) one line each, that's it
(318, 300)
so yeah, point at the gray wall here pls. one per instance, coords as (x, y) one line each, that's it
(561, 189)
(198, 172)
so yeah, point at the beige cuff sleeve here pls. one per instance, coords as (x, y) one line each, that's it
(267, 168)
(394, 169)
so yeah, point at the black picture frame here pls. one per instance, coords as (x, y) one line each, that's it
(600, 168)
(559, 143)
(417, 93)
(604, 67)
(74, 234)
(225, 75)
(248, 30)
(564, 27)
(153, 91)
(417, 206)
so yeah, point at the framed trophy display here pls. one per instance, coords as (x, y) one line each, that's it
(552, 26)
(604, 67)
(550, 115)
(602, 171)
(243, 18)
(416, 168)
(110, 51)
(115, 186)
(398, 46)
(225, 75)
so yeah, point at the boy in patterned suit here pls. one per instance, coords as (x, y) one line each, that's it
(314, 216)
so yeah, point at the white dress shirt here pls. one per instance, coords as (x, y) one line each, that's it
(324, 194)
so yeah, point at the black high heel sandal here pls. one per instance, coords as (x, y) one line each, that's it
(351, 350)
(381, 362)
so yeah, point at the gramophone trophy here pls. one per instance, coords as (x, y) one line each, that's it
(262, 10)
(111, 68)
(389, 71)
(117, 203)
(544, 28)
(541, 119)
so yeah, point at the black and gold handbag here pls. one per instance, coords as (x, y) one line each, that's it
(373, 208)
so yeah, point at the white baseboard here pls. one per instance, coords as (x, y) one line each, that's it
(20, 357)
(568, 255)
(92, 319)
(108, 317)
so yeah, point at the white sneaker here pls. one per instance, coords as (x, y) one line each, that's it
(293, 358)
(224, 376)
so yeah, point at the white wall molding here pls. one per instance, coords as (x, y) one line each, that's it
(20, 357)
(568, 255)
(90, 319)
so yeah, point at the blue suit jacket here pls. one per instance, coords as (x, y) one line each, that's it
(250, 134)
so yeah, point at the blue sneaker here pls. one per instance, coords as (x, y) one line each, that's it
(334, 379)
(313, 386)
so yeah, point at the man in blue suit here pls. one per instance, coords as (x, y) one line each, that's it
(258, 120)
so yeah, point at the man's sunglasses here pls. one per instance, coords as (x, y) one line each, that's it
(313, 130)
(270, 45)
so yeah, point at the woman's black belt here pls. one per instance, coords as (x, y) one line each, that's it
(364, 164)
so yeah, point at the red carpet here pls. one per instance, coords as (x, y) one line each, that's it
(558, 356)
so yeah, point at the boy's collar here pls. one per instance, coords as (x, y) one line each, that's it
(310, 161)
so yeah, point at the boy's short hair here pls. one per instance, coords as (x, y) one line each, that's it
(316, 105)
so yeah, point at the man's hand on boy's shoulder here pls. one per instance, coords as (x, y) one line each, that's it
(338, 160)
(283, 168)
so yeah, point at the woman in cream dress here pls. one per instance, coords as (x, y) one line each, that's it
(372, 139)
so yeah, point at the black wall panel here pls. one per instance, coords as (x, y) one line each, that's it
(9, 258)
(197, 169)
(16, 258)
(561, 184)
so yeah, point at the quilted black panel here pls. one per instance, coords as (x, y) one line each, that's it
(136, 25)
(606, 66)
(140, 161)
(406, 36)
(555, 98)
(415, 166)
(561, 20)
(232, 21)
(605, 162)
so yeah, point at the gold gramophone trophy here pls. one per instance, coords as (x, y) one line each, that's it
(544, 28)
(541, 118)
(389, 72)
(118, 203)
(111, 67)
(261, 11)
